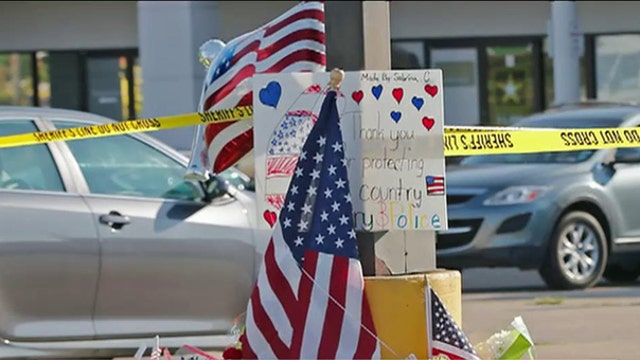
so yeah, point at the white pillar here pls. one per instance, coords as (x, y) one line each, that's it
(170, 34)
(566, 52)
(402, 251)
(377, 35)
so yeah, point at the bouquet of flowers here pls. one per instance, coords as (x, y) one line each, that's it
(508, 344)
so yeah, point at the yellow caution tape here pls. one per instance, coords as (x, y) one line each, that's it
(520, 142)
(458, 140)
(464, 128)
(129, 126)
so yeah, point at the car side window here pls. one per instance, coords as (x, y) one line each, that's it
(124, 165)
(29, 167)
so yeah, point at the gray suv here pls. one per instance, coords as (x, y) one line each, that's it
(574, 216)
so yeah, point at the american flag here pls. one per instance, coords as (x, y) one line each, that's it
(435, 185)
(293, 42)
(309, 300)
(446, 338)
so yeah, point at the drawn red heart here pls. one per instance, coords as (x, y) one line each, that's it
(428, 122)
(357, 96)
(431, 90)
(397, 94)
(270, 217)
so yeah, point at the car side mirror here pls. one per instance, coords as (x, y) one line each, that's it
(186, 190)
(216, 187)
(627, 156)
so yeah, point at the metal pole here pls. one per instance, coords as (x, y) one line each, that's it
(566, 52)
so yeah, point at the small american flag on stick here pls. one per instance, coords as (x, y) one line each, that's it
(445, 337)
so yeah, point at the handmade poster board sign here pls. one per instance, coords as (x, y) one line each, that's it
(393, 126)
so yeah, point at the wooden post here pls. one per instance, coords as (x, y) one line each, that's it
(358, 38)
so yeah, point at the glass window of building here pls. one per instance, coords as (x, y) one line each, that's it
(617, 62)
(44, 84)
(510, 86)
(407, 55)
(103, 83)
(16, 79)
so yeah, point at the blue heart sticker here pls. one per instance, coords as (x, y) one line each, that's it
(377, 91)
(417, 102)
(270, 94)
(396, 115)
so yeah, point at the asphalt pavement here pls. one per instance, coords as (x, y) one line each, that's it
(599, 323)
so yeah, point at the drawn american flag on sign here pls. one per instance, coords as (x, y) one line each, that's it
(309, 301)
(435, 185)
(293, 42)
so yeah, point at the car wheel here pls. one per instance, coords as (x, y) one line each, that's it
(577, 253)
(617, 273)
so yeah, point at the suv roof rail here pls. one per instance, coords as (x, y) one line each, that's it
(592, 103)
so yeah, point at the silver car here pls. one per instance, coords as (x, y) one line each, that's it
(103, 245)
(574, 216)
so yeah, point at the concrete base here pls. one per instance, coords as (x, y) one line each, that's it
(398, 308)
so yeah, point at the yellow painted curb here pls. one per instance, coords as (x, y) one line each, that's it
(398, 309)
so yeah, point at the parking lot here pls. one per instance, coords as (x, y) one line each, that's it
(599, 323)
(596, 324)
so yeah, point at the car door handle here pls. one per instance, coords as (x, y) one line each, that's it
(115, 220)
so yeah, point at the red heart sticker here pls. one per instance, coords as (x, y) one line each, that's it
(397, 94)
(357, 96)
(314, 88)
(428, 122)
(431, 90)
(270, 217)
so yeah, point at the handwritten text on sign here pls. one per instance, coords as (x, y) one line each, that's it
(392, 124)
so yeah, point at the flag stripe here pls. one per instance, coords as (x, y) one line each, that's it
(247, 350)
(285, 260)
(304, 299)
(256, 338)
(294, 39)
(368, 345)
(229, 87)
(453, 352)
(279, 305)
(333, 318)
(317, 309)
(351, 330)
(262, 320)
(277, 280)
(211, 131)
(316, 14)
(294, 57)
(229, 136)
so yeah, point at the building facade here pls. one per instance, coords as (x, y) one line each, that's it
(131, 59)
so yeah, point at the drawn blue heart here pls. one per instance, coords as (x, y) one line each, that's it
(376, 91)
(417, 102)
(270, 94)
(396, 115)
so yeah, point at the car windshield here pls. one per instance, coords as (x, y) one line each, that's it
(545, 157)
